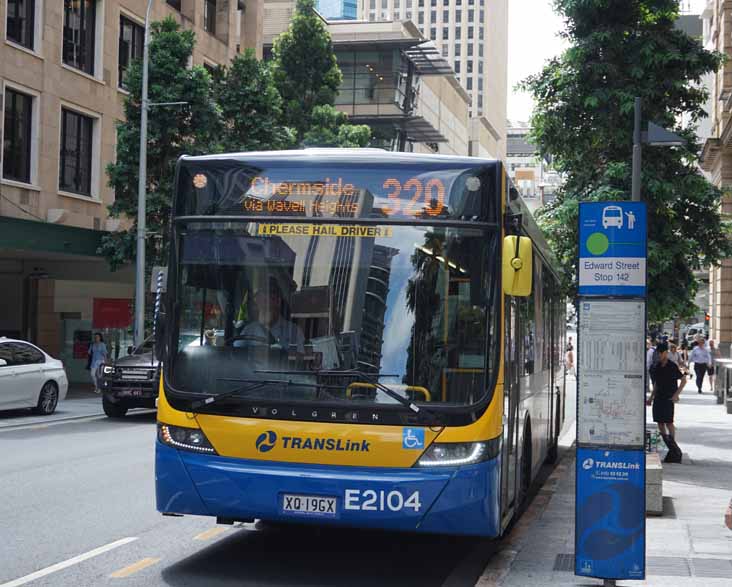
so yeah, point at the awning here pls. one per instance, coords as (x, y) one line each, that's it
(48, 238)
(428, 60)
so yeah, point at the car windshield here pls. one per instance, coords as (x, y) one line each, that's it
(320, 312)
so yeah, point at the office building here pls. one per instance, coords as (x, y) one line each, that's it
(62, 66)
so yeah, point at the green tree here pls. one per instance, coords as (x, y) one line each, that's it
(307, 77)
(620, 49)
(251, 107)
(172, 131)
(330, 128)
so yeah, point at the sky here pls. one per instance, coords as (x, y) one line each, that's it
(532, 40)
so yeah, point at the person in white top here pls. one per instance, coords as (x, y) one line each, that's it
(702, 361)
(271, 327)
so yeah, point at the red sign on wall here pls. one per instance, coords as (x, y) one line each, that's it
(112, 313)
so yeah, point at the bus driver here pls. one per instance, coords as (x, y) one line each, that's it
(270, 324)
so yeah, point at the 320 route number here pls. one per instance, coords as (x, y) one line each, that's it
(369, 500)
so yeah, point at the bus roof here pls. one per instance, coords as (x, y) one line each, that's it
(335, 154)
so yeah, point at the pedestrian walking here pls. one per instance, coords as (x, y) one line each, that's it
(702, 362)
(569, 358)
(675, 356)
(684, 352)
(97, 356)
(665, 375)
(714, 354)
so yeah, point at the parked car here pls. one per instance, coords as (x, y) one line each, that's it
(129, 382)
(30, 377)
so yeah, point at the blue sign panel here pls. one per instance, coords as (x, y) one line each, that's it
(611, 514)
(612, 248)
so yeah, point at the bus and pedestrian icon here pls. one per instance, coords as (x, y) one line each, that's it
(613, 216)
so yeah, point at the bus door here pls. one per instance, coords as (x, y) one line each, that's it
(509, 456)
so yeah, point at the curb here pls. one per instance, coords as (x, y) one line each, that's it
(500, 565)
(49, 422)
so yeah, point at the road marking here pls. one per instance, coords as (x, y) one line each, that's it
(134, 568)
(208, 534)
(69, 562)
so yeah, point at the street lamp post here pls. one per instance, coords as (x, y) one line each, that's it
(142, 180)
(656, 136)
(141, 186)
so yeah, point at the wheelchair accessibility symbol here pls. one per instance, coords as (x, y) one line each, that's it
(413, 438)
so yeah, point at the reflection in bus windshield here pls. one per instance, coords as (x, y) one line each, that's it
(408, 305)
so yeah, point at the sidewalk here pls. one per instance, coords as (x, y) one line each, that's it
(688, 546)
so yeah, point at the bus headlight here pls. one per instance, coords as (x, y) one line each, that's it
(192, 439)
(456, 454)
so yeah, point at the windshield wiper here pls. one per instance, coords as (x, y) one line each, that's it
(213, 399)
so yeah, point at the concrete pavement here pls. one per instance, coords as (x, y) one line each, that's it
(688, 546)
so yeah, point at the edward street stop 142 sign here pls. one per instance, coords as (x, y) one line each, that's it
(612, 259)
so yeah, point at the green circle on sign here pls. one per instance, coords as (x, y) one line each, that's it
(597, 243)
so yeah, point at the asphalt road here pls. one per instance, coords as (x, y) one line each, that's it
(78, 509)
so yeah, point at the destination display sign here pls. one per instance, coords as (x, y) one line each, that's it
(612, 239)
(439, 190)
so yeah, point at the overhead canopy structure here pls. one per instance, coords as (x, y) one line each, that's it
(428, 60)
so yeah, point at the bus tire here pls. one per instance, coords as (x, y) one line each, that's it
(113, 410)
(525, 483)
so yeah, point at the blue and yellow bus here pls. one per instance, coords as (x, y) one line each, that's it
(358, 338)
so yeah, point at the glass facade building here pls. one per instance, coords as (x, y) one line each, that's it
(338, 9)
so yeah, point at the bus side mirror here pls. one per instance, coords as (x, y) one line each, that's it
(517, 266)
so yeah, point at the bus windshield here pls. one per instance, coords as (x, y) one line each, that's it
(318, 312)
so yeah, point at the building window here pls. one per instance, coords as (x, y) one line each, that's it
(175, 4)
(457, 48)
(76, 152)
(17, 136)
(445, 16)
(457, 66)
(469, 82)
(209, 16)
(433, 33)
(21, 22)
(470, 32)
(445, 34)
(421, 3)
(482, 15)
(458, 33)
(384, 4)
(433, 15)
(420, 18)
(372, 4)
(480, 50)
(480, 101)
(471, 15)
(480, 66)
(397, 4)
(458, 16)
(444, 50)
(470, 50)
(79, 33)
(433, 3)
(408, 15)
(131, 41)
(480, 32)
(470, 66)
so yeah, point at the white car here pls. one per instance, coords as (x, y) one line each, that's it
(30, 378)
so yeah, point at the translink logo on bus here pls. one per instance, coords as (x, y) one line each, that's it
(267, 440)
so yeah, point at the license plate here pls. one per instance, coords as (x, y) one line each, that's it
(309, 505)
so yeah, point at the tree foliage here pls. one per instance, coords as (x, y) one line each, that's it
(307, 77)
(304, 67)
(251, 107)
(620, 49)
(172, 131)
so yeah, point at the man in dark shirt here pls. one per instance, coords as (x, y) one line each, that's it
(665, 375)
